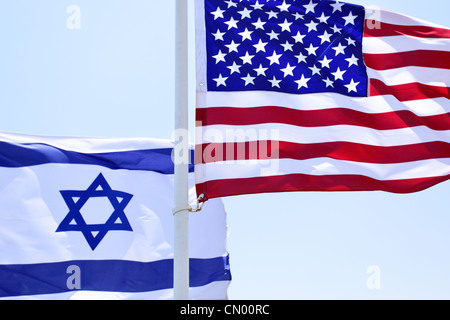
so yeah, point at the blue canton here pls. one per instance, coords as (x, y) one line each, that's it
(291, 46)
(94, 233)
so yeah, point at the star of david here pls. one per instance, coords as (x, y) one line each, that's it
(94, 233)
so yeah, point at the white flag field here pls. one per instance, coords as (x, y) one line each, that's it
(91, 218)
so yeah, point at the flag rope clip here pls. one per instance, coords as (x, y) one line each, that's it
(200, 204)
(197, 208)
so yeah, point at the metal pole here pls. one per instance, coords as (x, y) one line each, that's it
(181, 156)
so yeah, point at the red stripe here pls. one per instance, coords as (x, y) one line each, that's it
(339, 150)
(319, 118)
(381, 29)
(408, 92)
(418, 58)
(302, 182)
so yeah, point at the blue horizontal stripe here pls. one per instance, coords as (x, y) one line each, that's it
(106, 275)
(25, 155)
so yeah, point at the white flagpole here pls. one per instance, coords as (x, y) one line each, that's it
(181, 156)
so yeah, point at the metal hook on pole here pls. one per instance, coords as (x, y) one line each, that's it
(200, 204)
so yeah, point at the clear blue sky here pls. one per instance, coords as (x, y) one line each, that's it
(114, 77)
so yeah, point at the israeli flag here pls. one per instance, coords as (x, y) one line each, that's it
(90, 218)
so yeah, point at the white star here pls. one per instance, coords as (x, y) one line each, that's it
(219, 57)
(248, 79)
(288, 70)
(329, 83)
(303, 82)
(325, 37)
(234, 68)
(285, 26)
(247, 58)
(338, 74)
(350, 19)
(336, 29)
(275, 82)
(325, 62)
(351, 42)
(221, 81)
(231, 3)
(315, 70)
(218, 13)
(257, 6)
(259, 24)
(232, 23)
(312, 26)
(273, 35)
(301, 58)
(260, 46)
(287, 46)
(284, 6)
(246, 34)
(298, 16)
(337, 6)
(311, 50)
(352, 86)
(274, 58)
(245, 13)
(339, 49)
(310, 7)
(261, 71)
(352, 61)
(218, 35)
(272, 14)
(323, 18)
(232, 46)
(299, 37)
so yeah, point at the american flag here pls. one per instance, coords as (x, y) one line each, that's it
(309, 95)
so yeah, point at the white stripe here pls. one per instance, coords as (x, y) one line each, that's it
(33, 208)
(295, 134)
(378, 104)
(375, 13)
(321, 167)
(89, 145)
(399, 76)
(403, 43)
